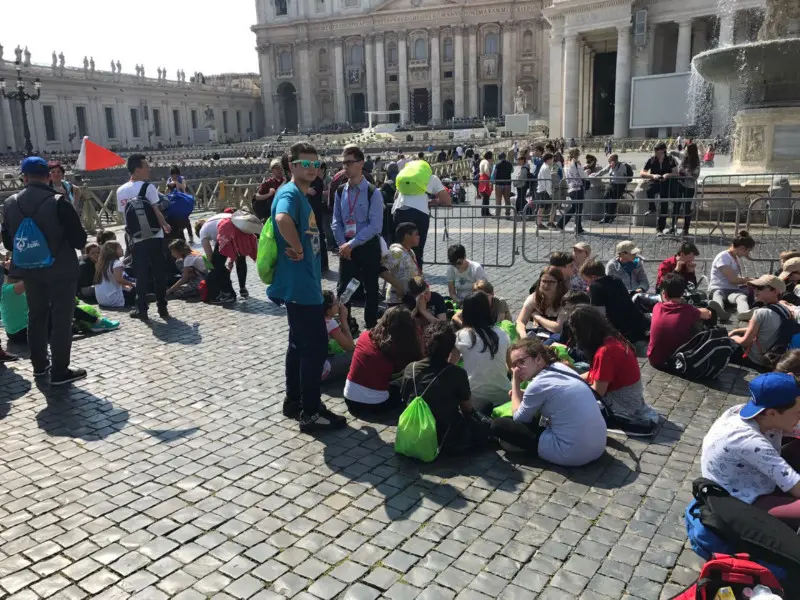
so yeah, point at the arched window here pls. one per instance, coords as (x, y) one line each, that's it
(322, 59)
(420, 49)
(527, 41)
(285, 62)
(491, 44)
(448, 49)
(356, 55)
(391, 53)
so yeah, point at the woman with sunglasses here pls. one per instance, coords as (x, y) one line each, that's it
(543, 306)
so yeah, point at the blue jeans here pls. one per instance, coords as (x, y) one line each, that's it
(305, 356)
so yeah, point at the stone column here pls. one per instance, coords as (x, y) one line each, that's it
(7, 126)
(458, 51)
(402, 59)
(436, 83)
(380, 73)
(509, 80)
(473, 91)
(370, 66)
(340, 104)
(683, 57)
(267, 87)
(306, 117)
(722, 93)
(572, 58)
(622, 88)
(556, 83)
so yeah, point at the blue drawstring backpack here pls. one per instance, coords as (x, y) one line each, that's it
(180, 206)
(31, 250)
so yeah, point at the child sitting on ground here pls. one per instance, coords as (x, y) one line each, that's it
(192, 268)
(401, 262)
(87, 268)
(340, 340)
(110, 286)
(610, 296)
(426, 306)
(462, 273)
(500, 308)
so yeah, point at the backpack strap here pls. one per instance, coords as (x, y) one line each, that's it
(143, 191)
(414, 379)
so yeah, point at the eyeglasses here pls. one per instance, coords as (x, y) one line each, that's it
(548, 282)
(307, 163)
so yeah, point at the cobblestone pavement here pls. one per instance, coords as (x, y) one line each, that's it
(171, 473)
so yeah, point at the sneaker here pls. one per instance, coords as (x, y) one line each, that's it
(630, 429)
(42, 373)
(7, 357)
(137, 314)
(105, 325)
(244, 293)
(323, 420)
(292, 408)
(543, 226)
(718, 309)
(745, 316)
(164, 313)
(68, 376)
(668, 231)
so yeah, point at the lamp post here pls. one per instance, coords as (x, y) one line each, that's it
(23, 97)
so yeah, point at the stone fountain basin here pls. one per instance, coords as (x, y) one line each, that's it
(772, 61)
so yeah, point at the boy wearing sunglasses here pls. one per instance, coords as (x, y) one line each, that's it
(298, 284)
(762, 333)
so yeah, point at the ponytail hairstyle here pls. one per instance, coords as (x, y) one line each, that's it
(743, 240)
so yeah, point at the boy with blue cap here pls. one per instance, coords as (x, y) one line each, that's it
(742, 451)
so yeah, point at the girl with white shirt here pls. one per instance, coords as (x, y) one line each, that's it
(575, 191)
(544, 189)
(726, 284)
(111, 288)
(483, 346)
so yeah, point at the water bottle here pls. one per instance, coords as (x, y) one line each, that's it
(349, 290)
(764, 593)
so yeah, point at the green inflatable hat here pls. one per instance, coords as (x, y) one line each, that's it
(413, 179)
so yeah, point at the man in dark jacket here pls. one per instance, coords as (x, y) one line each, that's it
(50, 290)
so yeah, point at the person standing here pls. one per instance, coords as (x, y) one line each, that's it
(357, 224)
(298, 285)
(148, 251)
(262, 201)
(659, 169)
(618, 181)
(50, 290)
(575, 191)
(62, 186)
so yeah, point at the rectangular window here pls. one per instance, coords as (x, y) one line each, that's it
(80, 114)
(392, 78)
(448, 74)
(281, 8)
(111, 129)
(156, 122)
(238, 122)
(49, 123)
(225, 121)
(176, 121)
(135, 122)
(194, 119)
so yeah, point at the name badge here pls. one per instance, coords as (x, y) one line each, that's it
(350, 229)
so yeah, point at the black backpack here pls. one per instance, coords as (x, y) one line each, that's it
(788, 329)
(141, 222)
(704, 356)
(628, 172)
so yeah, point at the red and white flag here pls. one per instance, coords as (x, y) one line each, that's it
(94, 158)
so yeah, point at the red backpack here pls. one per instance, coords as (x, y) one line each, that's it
(737, 572)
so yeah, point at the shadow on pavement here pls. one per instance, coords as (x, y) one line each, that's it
(76, 413)
(12, 387)
(170, 435)
(176, 331)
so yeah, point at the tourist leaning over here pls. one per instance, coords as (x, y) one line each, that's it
(574, 432)
(298, 284)
(743, 450)
(357, 225)
(617, 173)
(50, 289)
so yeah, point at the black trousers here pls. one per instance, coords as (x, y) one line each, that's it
(305, 356)
(576, 208)
(666, 189)
(219, 280)
(51, 305)
(21, 337)
(150, 269)
(522, 197)
(522, 435)
(613, 192)
(485, 203)
(365, 265)
(683, 208)
(421, 220)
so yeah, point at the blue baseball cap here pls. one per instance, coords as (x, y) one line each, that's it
(34, 165)
(768, 391)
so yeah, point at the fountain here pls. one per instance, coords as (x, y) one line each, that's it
(767, 136)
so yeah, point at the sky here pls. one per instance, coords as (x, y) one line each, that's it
(193, 35)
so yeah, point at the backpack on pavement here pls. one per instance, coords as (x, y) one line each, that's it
(141, 222)
(31, 250)
(416, 430)
(737, 573)
(704, 356)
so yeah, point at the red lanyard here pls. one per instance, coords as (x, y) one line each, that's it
(350, 202)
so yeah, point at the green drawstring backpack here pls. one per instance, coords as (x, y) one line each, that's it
(416, 430)
(267, 257)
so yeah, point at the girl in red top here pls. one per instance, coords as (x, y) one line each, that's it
(379, 354)
(614, 373)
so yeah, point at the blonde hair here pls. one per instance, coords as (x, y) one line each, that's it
(574, 153)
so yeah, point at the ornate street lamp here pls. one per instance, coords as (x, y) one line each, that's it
(23, 97)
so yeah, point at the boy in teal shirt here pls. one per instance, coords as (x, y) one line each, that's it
(14, 310)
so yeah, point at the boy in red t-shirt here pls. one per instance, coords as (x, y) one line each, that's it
(683, 263)
(674, 322)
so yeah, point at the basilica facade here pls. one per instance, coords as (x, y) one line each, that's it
(325, 62)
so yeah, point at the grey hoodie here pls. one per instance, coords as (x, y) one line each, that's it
(635, 281)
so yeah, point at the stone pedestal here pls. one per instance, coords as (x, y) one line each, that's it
(518, 124)
(767, 139)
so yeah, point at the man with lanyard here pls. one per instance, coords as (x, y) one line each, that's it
(659, 169)
(357, 224)
(298, 285)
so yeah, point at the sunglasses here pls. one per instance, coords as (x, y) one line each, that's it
(307, 163)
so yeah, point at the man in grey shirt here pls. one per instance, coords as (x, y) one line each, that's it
(763, 330)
